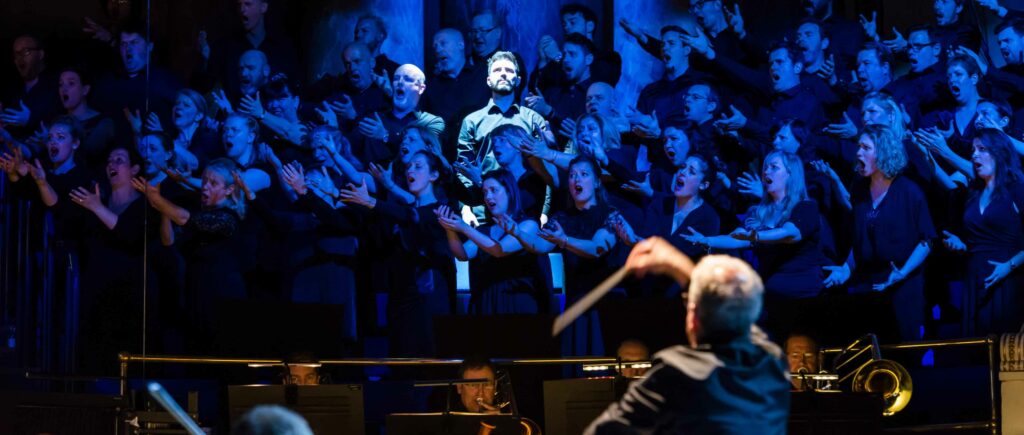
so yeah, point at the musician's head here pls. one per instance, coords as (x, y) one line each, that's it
(724, 300)
(475, 396)
(302, 368)
(802, 354)
(633, 350)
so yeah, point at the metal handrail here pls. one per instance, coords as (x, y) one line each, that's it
(127, 358)
(990, 342)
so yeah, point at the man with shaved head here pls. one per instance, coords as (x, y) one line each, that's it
(456, 88)
(253, 72)
(220, 59)
(381, 131)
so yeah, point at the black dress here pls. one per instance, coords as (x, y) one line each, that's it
(422, 279)
(508, 285)
(792, 273)
(997, 234)
(581, 275)
(112, 286)
(886, 235)
(214, 259)
(658, 221)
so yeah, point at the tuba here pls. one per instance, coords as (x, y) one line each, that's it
(876, 375)
(888, 378)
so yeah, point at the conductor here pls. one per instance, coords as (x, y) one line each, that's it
(729, 380)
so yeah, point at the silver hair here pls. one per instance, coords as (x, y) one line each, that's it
(726, 294)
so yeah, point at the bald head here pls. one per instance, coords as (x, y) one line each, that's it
(600, 99)
(408, 84)
(449, 52)
(253, 71)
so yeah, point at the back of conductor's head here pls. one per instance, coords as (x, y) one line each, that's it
(725, 299)
(271, 420)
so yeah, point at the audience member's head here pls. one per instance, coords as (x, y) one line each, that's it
(29, 55)
(449, 52)
(484, 33)
(601, 99)
(502, 73)
(65, 135)
(135, 49)
(577, 55)
(73, 86)
(370, 30)
(812, 40)
(577, 18)
(923, 49)
(408, 85)
(709, 14)
(1010, 34)
(271, 420)
(674, 52)
(253, 71)
(700, 103)
(281, 100)
(359, 63)
(252, 12)
(189, 109)
(819, 9)
(879, 152)
(874, 67)
(784, 66)
(947, 12)
(962, 75)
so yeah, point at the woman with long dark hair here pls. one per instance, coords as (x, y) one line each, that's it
(993, 238)
(504, 278)
(424, 288)
(112, 268)
(583, 236)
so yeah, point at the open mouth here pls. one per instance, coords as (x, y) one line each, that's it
(767, 181)
(400, 93)
(410, 180)
(54, 152)
(775, 77)
(666, 57)
(405, 151)
(491, 204)
(954, 89)
(671, 153)
(577, 189)
(112, 173)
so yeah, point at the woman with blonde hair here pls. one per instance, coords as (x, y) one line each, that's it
(892, 231)
(784, 231)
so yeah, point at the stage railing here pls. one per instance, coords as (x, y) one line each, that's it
(990, 343)
(126, 359)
